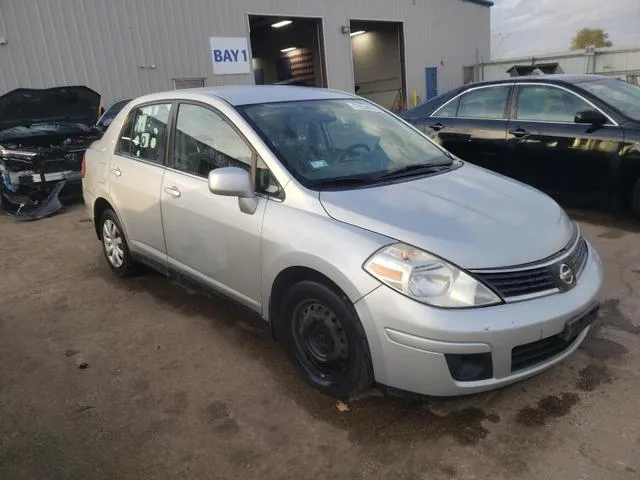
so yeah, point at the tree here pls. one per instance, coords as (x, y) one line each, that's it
(590, 37)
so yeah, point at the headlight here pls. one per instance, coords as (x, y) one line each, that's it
(427, 278)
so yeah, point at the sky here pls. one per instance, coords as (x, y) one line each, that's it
(522, 27)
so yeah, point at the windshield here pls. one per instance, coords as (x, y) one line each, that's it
(621, 95)
(320, 141)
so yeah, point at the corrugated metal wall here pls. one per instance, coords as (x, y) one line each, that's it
(607, 61)
(125, 48)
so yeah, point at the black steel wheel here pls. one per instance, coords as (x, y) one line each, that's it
(635, 199)
(325, 340)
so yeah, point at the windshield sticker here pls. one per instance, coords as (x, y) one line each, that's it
(318, 163)
(363, 106)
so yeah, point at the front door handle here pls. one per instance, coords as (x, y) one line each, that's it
(519, 133)
(116, 171)
(436, 126)
(173, 191)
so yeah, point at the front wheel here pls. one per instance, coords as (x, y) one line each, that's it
(325, 340)
(635, 199)
(114, 245)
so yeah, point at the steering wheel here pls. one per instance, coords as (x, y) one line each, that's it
(344, 157)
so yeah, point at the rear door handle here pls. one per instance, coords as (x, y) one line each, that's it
(173, 191)
(116, 171)
(436, 126)
(519, 133)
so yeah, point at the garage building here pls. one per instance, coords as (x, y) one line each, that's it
(395, 52)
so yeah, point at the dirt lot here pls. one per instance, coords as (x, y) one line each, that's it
(179, 386)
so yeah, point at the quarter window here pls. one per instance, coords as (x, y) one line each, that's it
(548, 104)
(205, 141)
(144, 133)
(448, 110)
(484, 103)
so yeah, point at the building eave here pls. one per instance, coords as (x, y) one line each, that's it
(484, 3)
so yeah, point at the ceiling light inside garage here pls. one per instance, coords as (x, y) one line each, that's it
(288, 49)
(359, 32)
(281, 24)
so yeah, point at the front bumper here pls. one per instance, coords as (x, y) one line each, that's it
(410, 341)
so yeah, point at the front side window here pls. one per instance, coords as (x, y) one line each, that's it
(351, 141)
(548, 104)
(490, 102)
(144, 133)
(205, 141)
(623, 96)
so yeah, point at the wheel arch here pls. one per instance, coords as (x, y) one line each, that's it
(99, 206)
(318, 271)
(629, 173)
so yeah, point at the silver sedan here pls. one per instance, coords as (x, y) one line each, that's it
(376, 257)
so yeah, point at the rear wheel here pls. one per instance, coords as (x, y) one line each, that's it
(114, 245)
(635, 198)
(325, 340)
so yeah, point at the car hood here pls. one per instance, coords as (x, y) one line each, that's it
(469, 216)
(22, 106)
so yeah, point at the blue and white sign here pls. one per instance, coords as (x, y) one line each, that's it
(230, 55)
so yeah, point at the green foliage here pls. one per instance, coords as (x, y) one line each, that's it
(590, 37)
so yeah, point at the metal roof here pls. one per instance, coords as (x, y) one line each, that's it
(484, 3)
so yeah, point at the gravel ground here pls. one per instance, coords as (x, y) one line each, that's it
(181, 386)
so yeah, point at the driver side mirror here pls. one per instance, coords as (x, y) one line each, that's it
(590, 117)
(234, 182)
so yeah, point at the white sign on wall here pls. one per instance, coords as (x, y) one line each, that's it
(230, 55)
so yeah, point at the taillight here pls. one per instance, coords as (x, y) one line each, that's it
(83, 168)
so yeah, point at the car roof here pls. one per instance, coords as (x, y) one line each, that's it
(552, 78)
(237, 95)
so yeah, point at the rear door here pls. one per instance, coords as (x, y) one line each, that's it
(136, 172)
(473, 125)
(550, 151)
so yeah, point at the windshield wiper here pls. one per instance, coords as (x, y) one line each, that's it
(415, 169)
(340, 182)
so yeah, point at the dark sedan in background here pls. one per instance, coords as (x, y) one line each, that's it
(572, 136)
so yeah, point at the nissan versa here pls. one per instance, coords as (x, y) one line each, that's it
(376, 256)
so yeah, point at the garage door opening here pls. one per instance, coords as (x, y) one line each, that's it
(287, 51)
(378, 62)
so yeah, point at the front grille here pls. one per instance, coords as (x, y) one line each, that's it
(513, 283)
(578, 258)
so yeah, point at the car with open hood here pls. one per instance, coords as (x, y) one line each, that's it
(375, 255)
(43, 136)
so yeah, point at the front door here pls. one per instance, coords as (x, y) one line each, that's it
(473, 126)
(208, 237)
(550, 151)
(136, 170)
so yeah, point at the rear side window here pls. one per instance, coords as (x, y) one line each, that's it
(488, 102)
(144, 133)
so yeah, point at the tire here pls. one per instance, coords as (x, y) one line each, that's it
(114, 245)
(635, 198)
(325, 340)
